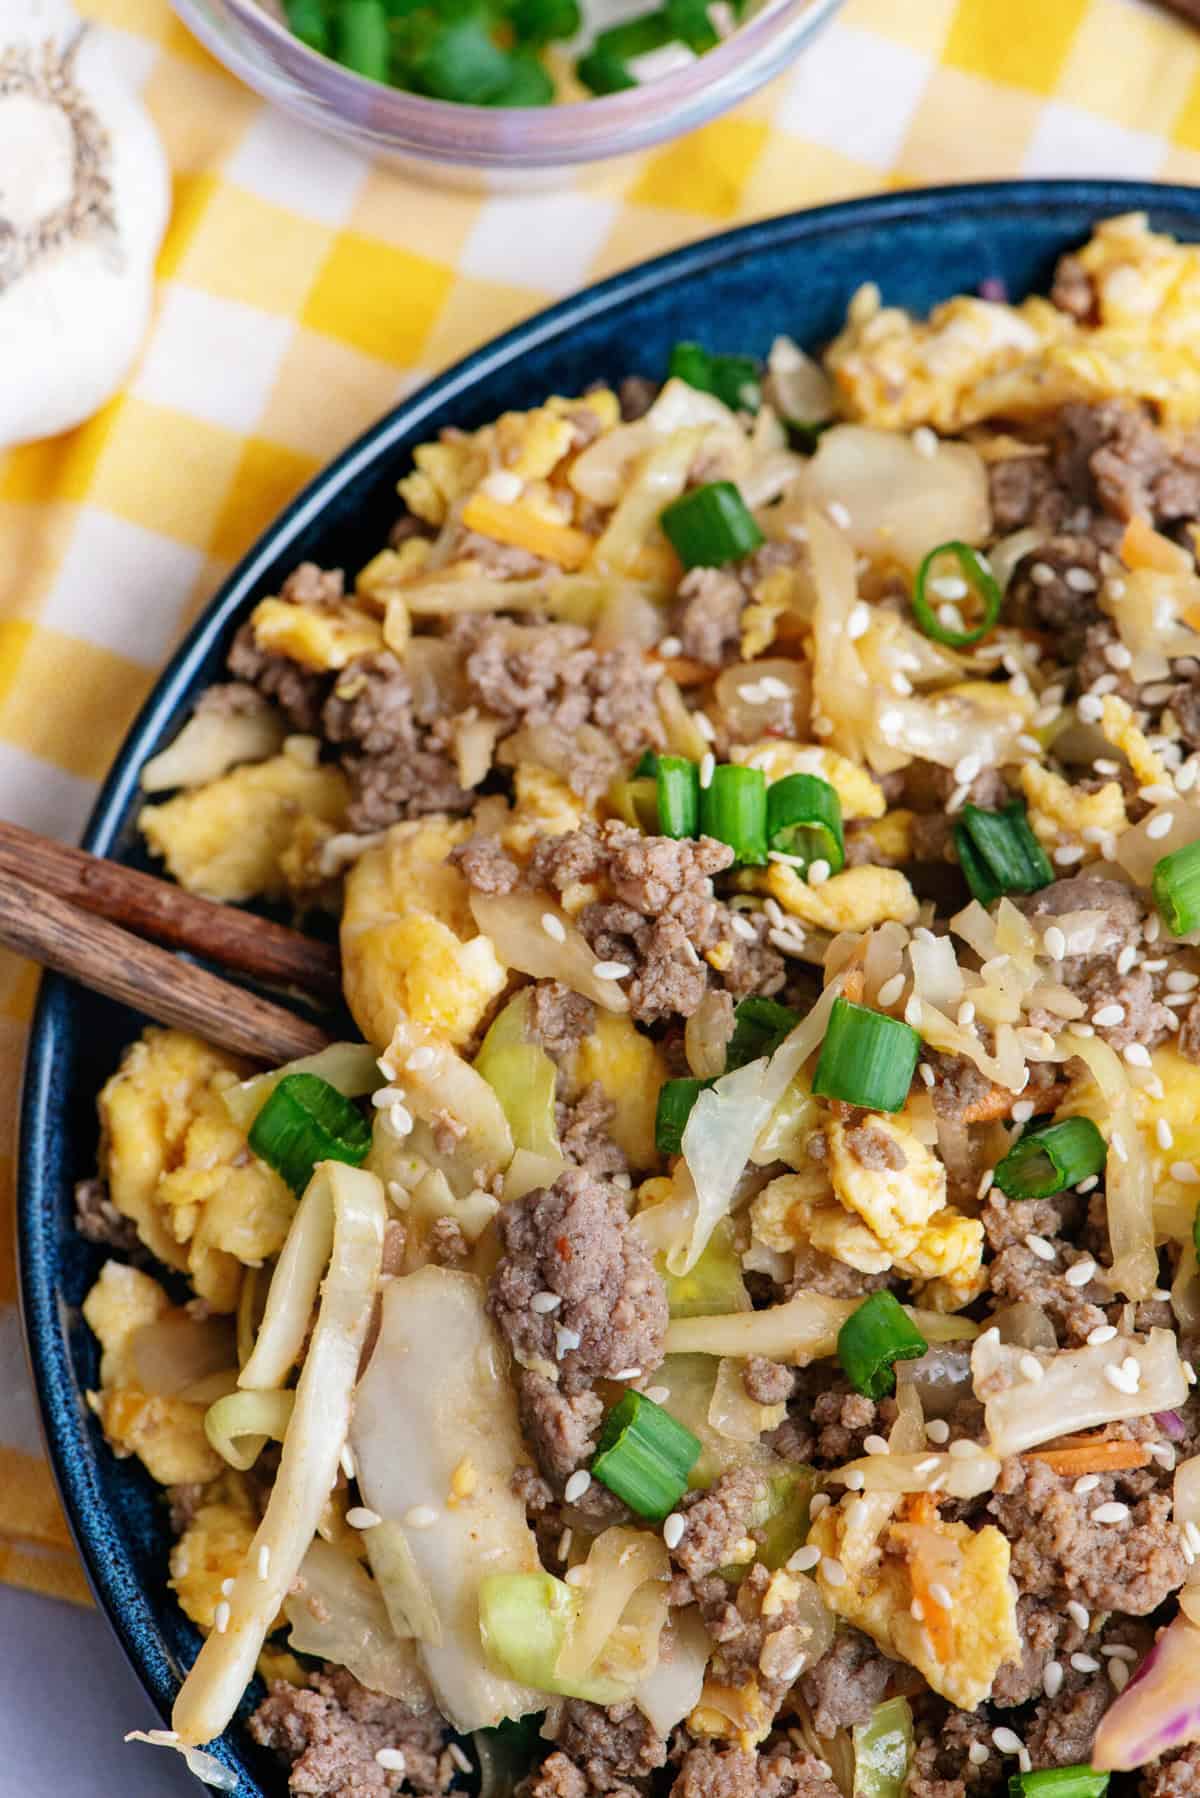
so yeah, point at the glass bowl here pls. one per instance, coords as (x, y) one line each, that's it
(496, 146)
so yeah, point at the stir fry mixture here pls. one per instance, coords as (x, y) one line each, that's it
(728, 1328)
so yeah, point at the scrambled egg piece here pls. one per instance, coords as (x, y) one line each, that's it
(409, 942)
(226, 839)
(211, 1550)
(178, 1165)
(389, 570)
(974, 359)
(889, 836)
(855, 899)
(1119, 726)
(962, 1653)
(774, 597)
(545, 806)
(1174, 1200)
(318, 637)
(859, 795)
(886, 1211)
(1060, 813)
(630, 1067)
(165, 1432)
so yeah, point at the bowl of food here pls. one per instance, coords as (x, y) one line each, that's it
(484, 92)
(722, 1315)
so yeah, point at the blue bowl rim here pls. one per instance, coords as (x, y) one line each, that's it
(45, 1343)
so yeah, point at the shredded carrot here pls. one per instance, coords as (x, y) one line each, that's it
(524, 528)
(1099, 1457)
(998, 1103)
(921, 1514)
(1143, 547)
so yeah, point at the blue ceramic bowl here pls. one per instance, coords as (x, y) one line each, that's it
(791, 275)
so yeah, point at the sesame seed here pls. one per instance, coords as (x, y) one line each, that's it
(1164, 1454)
(1100, 1335)
(1087, 1482)
(833, 1573)
(855, 1480)
(1088, 1185)
(1152, 927)
(1113, 1512)
(462, 1761)
(391, 1759)
(963, 1450)
(1007, 1741)
(929, 1465)
(1159, 825)
(1052, 1679)
(1085, 1663)
(986, 1182)
(226, 1587)
(1081, 1272)
(1119, 1651)
(1090, 710)
(977, 1753)
(940, 1595)
(820, 1501)
(949, 586)
(1164, 1134)
(577, 1485)
(1191, 1533)
(1031, 1369)
(221, 1617)
(360, 1518)
(1185, 1172)
(938, 1430)
(875, 1445)
(1045, 1251)
(916, 1611)
(1109, 1015)
(1181, 982)
(1116, 1143)
(544, 1302)
(859, 621)
(1078, 1615)
(1081, 580)
(503, 486)
(611, 970)
(565, 1340)
(1067, 854)
(1117, 656)
(1120, 1380)
(670, 647)
(705, 726)
(400, 1120)
(1126, 959)
(708, 764)
(965, 1015)
(263, 1565)
(1022, 1111)
(1042, 575)
(1055, 943)
(925, 442)
(421, 1517)
(887, 995)
(554, 927)
(1118, 1673)
(658, 1395)
(1189, 1373)
(804, 1559)
(839, 514)
(628, 1373)
(819, 872)
(1137, 1055)
(1157, 794)
(1104, 767)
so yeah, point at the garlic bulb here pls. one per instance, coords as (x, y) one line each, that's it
(84, 197)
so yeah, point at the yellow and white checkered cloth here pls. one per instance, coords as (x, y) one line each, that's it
(302, 290)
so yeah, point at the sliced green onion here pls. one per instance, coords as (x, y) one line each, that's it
(999, 853)
(734, 380)
(867, 1058)
(1059, 1782)
(1049, 1159)
(873, 1339)
(678, 795)
(733, 808)
(675, 1101)
(806, 436)
(362, 41)
(804, 819)
(305, 1121)
(462, 62)
(690, 23)
(647, 764)
(635, 37)
(979, 579)
(710, 526)
(759, 1026)
(1175, 884)
(537, 22)
(645, 1456)
(603, 73)
(308, 22)
(636, 803)
(528, 84)
(883, 1751)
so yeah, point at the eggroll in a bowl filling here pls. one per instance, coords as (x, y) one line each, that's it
(728, 1327)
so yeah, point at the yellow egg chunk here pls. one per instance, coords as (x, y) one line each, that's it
(855, 899)
(859, 795)
(1175, 1200)
(1059, 812)
(631, 1068)
(409, 942)
(320, 638)
(545, 806)
(882, 1173)
(165, 1432)
(979, 1632)
(210, 1551)
(226, 839)
(181, 1169)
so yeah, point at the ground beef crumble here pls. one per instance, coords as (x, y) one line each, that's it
(782, 1771)
(330, 1731)
(393, 749)
(847, 1682)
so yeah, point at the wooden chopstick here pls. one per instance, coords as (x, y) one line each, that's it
(100, 955)
(222, 933)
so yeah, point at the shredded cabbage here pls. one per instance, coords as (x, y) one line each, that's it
(959, 1476)
(513, 921)
(204, 1767)
(1128, 1183)
(435, 1419)
(668, 1693)
(1073, 1393)
(240, 1425)
(406, 1595)
(337, 1614)
(899, 502)
(802, 1330)
(483, 1145)
(524, 1079)
(620, 1562)
(733, 1412)
(213, 742)
(353, 1203)
(883, 1751)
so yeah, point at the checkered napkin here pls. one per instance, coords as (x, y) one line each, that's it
(303, 290)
